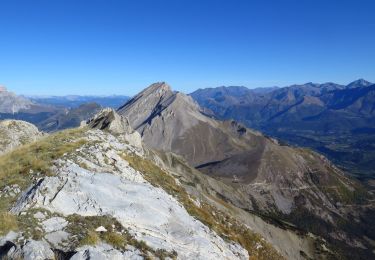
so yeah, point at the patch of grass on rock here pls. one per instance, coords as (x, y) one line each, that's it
(24, 165)
(83, 228)
(8, 222)
(91, 238)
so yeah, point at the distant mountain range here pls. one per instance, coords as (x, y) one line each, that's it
(334, 119)
(74, 101)
(54, 112)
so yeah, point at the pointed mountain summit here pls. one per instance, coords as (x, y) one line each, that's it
(358, 83)
(152, 102)
(174, 122)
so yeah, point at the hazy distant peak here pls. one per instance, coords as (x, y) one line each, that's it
(359, 83)
(11, 103)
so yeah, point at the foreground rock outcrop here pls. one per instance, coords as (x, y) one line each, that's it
(97, 195)
(88, 186)
(14, 133)
(108, 119)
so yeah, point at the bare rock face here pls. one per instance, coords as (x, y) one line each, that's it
(108, 119)
(173, 122)
(14, 133)
(33, 250)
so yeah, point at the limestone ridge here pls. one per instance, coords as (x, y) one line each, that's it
(108, 119)
(97, 182)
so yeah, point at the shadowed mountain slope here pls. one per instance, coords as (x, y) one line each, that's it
(333, 119)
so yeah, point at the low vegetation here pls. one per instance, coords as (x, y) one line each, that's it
(83, 229)
(8, 222)
(31, 226)
(90, 238)
(26, 164)
(38, 156)
(227, 227)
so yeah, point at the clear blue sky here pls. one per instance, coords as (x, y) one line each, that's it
(120, 47)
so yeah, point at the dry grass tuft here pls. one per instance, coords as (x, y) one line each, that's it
(116, 235)
(8, 222)
(115, 239)
(91, 238)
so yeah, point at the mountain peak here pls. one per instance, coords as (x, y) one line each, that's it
(158, 88)
(359, 83)
(147, 104)
(3, 88)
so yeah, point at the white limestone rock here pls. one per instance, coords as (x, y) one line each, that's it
(101, 229)
(148, 212)
(105, 252)
(54, 224)
(39, 215)
(35, 250)
(11, 236)
(108, 119)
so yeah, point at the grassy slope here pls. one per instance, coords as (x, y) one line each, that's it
(30, 162)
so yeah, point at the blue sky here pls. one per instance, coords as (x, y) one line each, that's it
(119, 47)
